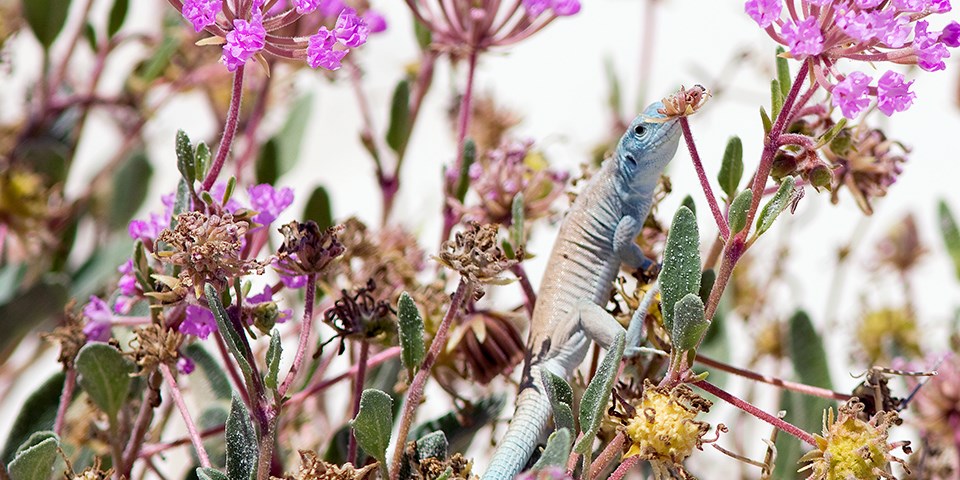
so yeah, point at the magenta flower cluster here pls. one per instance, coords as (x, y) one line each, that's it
(560, 8)
(243, 42)
(825, 31)
(201, 13)
(327, 48)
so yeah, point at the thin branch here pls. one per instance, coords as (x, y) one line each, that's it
(704, 182)
(305, 329)
(784, 384)
(377, 359)
(229, 130)
(191, 427)
(66, 395)
(756, 412)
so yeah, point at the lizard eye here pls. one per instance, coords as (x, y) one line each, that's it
(640, 130)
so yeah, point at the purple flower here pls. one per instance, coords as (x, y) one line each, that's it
(201, 13)
(185, 365)
(868, 3)
(930, 52)
(128, 282)
(565, 8)
(269, 202)
(893, 95)
(199, 321)
(909, 5)
(147, 230)
(950, 36)
(350, 29)
(804, 38)
(99, 319)
(295, 282)
(329, 8)
(939, 6)
(375, 21)
(894, 31)
(266, 296)
(536, 7)
(243, 42)
(320, 52)
(306, 6)
(764, 12)
(851, 94)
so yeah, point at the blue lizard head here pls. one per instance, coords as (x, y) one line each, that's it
(646, 148)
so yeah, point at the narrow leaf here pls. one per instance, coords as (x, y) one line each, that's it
(216, 377)
(707, 279)
(561, 399)
(46, 18)
(204, 159)
(783, 73)
(463, 181)
(776, 98)
(225, 328)
(242, 446)
(267, 169)
(319, 209)
(595, 397)
(681, 263)
(517, 220)
(950, 232)
(832, 133)
(765, 120)
(207, 473)
(738, 211)
(129, 189)
(689, 203)
(807, 353)
(373, 423)
(290, 138)
(398, 131)
(104, 375)
(228, 191)
(117, 15)
(557, 451)
(731, 169)
(273, 360)
(186, 160)
(776, 205)
(411, 332)
(689, 323)
(423, 34)
(35, 462)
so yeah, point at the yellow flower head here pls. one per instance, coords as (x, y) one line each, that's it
(851, 448)
(664, 429)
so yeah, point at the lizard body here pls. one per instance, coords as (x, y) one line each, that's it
(595, 239)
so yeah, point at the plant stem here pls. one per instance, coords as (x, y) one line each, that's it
(463, 126)
(66, 395)
(377, 359)
(624, 467)
(142, 423)
(608, 455)
(229, 130)
(266, 448)
(191, 427)
(784, 384)
(357, 392)
(464, 289)
(154, 449)
(756, 412)
(528, 291)
(704, 182)
(305, 328)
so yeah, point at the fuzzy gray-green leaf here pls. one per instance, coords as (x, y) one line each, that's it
(433, 445)
(398, 132)
(738, 211)
(557, 451)
(776, 98)
(783, 73)
(225, 327)
(561, 399)
(807, 353)
(776, 205)
(373, 423)
(681, 263)
(595, 397)
(517, 220)
(689, 322)
(411, 332)
(104, 375)
(212, 371)
(731, 168)
(35, 459)
(273, 360)
(207, 473)
(951, 234)
(242, 449)
(186, 159)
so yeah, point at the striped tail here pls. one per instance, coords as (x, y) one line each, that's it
(523, 434)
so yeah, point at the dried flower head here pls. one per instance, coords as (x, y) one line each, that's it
(865, 162)
(153, 345)
(851, 448)
(70, 336)
(475, 253)
(663, 428)
(901, 248)
(489, 343)
(306, 250)
(683, 103)
(312, 467)
(207, 250)
(360, 315)
(887, 332)
(490, 122)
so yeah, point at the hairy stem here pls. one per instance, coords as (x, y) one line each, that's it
(187, 419)
(142, 423)
(229, 130)
(377, 359)
(756, 412)
(305, 329)
(153, 449)
(463, 126)
(610, 453)
(784, 384)
(528, 291)
(357, 392)
(266, 448)
(69, 384)
(624, 468)
(704, 182)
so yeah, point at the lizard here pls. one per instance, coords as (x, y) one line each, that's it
(596, 237)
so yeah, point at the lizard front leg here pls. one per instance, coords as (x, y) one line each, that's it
(601, 327)
(626, 248)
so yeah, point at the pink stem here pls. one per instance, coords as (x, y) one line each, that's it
(69, 384)
(784, 384)
(624, 467)
(704, 183)
(463, 126)
(528, 290)
(229, 130)
(375, 360)
(305, 328)
(191, 427)
(756, 412)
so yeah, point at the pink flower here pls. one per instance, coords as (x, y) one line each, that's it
(294, 282)
(939, 6)
(535, 7)
(350, 29)
(804, 38)
(99, 319)
(185, 365)
(950, 36)
(909, 5)
(269, 202)
(320, 52)
(375, 21)
(930, 52)
(893, 95)
(764, 12)
(243, 42)
(128, 282)
(147, 230)
(868, 3)
(329, 8)
(201, 13)
(851, 94)
(199, 322)
(564, 8)
(306, 6)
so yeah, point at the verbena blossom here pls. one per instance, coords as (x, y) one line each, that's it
(127, 286)
(147, 230)
(375, 21)
(269, 202)
(243, 42)
(199, 322)
(351, 30)
(185, 365)
(327, 48)
(825, 32)
(306, 6)
(99, 318)
(201, 13)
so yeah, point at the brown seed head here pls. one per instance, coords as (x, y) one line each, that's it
(475, 253)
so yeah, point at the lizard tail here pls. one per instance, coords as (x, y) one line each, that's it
(523, 434)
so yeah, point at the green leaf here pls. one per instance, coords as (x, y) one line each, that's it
(228, 192)
(681, 263)
(731, 169)
(776, 98)
(765, 120)
(557, 451)
(216, 377)
(689, 203)
(595, 397)
(242, 449)
(776, 205)
(117, 15)
(738, 211)
(104, 373)
(35, 459)
(273, 360)
(615, 98)
(689, 323)
(290, 138)
(90, 35)
(152, 67)
(130, 185)
(230, 335)
(29, 308)
(433, 445)
(204, 159)
(707, 279)
(319, 209)
(373, 423)
(207, 473)
(100, 267)
(423, 34)
(832, 133)
(186, 160)
(783, 73)
(38, 413)
(807, 353)
(950, 232)
(561, 399)
(398, 132)
(463, 181)
(181, 203)
(411, 333)
(268, 162)
(46, 18)
(517, 220)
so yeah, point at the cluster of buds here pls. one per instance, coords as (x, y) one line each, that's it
(825, 31)
(475, 253)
